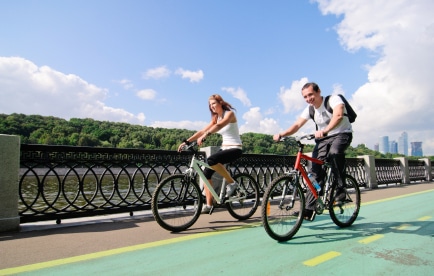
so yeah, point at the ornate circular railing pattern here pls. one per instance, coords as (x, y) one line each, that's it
(58, 182)
(388, 171)
(417, 170)
(63, 182)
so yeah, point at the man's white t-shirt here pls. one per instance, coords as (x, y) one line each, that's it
(323, 117)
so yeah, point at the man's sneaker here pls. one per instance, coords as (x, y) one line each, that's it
(307, 214)
(230, 189)
(206, 209)
(340, 195)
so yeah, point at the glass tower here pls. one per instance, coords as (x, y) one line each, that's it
(384, 144)
(416, 149)
(403, 144)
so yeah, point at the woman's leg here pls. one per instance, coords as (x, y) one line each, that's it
(208, 194)
(221, 169)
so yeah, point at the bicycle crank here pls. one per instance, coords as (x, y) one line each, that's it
(319, 208)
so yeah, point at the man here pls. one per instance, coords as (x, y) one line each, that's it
(332, 138)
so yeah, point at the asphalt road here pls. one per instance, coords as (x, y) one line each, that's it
(392, 235)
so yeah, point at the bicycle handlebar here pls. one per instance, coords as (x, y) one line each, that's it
(299, 138)
(189, 145)
(307, 137)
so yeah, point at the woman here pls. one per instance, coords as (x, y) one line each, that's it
(224, 122)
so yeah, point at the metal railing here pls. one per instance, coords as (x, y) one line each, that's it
(388, 171)
(59, 182)
(417, 170)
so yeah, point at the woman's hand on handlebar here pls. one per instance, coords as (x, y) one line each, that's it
(181, 146)
(277, 137)
(201, 139)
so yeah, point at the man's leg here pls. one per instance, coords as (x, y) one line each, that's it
(337, 156)
(320, 152)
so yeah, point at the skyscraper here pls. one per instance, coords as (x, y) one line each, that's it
(416, 149)
(384, 144)
(403, 144)
(393, 147)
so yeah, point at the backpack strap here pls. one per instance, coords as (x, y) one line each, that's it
(327, 106)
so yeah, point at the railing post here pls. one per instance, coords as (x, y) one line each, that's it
(427, 168)
(404, 169)
(9, 174)
(217, 180)
(371, 175)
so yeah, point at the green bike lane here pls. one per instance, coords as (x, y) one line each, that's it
(390, 236)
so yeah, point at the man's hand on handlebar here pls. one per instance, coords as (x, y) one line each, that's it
(320, 134)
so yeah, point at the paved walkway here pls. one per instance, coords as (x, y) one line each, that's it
(393, 235)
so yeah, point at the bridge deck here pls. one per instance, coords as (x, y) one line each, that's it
(393, 234)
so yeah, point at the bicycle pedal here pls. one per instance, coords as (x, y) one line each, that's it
(312, 218)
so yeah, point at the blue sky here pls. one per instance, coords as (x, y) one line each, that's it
(155, 63)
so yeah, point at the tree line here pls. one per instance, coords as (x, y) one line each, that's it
(48, 130)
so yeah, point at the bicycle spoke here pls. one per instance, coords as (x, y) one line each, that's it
(176, 204)
(245, 200)
(345, 213)
(282, 208)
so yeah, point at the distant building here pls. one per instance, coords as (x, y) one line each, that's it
(416, 149)
(384, 144)
(393, 147)
(403, 144)
(377, 147)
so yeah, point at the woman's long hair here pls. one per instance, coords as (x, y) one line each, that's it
(225, 105)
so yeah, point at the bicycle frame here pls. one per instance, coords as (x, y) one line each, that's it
(195, 167)
(299, 167)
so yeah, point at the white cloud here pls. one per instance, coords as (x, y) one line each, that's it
(30, 89)
(255, 122)
(337, 89)
(126, 84)
(397, 95)
(291, 97)
(239, 94)
(193, 76)
(157, 73)
(146, 94)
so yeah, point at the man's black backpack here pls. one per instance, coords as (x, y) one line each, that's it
(351, 114)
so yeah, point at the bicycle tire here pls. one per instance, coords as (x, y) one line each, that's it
(344, 215)
(278, 207)
(248, 194)
(174, 208)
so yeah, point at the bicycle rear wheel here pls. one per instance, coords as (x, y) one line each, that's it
(176, 203)
(282, 208)
(246, 195)
(345, 213)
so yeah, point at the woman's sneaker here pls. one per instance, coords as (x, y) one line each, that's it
(206, 209)
(230, 189)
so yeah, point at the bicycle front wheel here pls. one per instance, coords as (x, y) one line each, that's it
(176, 203)
(344, 213)
(282, 208)
(246, 197)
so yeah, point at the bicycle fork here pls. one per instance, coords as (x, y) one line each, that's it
(285, 190)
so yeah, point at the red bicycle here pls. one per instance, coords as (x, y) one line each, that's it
(283, 202)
